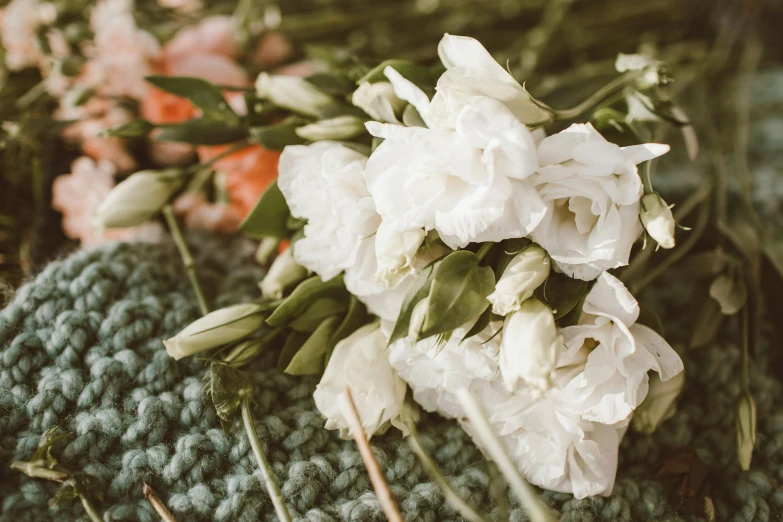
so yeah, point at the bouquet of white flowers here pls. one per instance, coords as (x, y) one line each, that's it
(450, 245)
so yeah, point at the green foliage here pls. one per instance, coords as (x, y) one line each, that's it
(458, 293)
(563, 293)
(310, 359)
(304, 296)
(269, 217)
(279, 135)
(419, 290)
(228, 386)
(135, 129)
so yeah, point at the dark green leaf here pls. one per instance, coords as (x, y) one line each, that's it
(134, 129)
(510, 248)
(321, 309)
(458, 294)
(269, 216)
(409, 70)
(204, 95)
(293, 343)
(418, 291)
(310, 358)
(707, 324)
(66, 493)
(356, 317)
(202, 131)
(277, 136)
(228, 386)
(303, 296)
(336, 85)
(481, 323)
(562, 293)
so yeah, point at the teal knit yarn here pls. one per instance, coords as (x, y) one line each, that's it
(81, 349)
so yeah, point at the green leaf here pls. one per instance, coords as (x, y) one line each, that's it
(411, 71)
(48, 440)
(228, 386)
(356, 317)
(510, 248)
(269, 216)
(134, 129)
(481, 323)
(335, 85)
(202, 131)
(417, 291)
(204, 95)
(310, 359)
(562, 293)
(293, 342)
(321, 309)
(303, 296)
(458, 294)
(278, 136)
(66, 493)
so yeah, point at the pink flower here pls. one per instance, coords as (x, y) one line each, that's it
(79, 194)
(92, 118)
(200, 214)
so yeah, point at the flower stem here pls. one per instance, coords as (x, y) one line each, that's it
(452, 497)
(598, 97)
(377, 478)
(157, 504)
(266, 470)
(537, 510)
(92, 513)
(187, 258)
(211, 161)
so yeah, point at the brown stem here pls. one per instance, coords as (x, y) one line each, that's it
(373, 469)
(157, 504)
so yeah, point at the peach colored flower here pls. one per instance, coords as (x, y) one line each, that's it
(272, 49)
(248, 172)
(79, 194)
(92, 118)
(19, 24)
(124, 52)
(200, 214)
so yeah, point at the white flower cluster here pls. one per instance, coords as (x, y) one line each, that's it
(467, 166)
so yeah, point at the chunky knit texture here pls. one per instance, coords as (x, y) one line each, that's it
(80, 347)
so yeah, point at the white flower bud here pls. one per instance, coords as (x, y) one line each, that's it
(528, 350)
(526, 272)
(215, 329)
(660, 403)
(395, 252)
(360, 362)
(266, 249)
(284, 272)
(657, 219)
(138, 198)
(638, 62)
(379, 101)
(293, 93)
(418, 316)
(746, 430)
(339, 128)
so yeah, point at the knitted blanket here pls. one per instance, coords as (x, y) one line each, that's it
(80, 348)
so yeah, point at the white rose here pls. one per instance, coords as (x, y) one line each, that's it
(556, 450)
(591, 188)
(526, 272)
(659, 405)
(395, 252)
(360, 362)
(323, 184)
(471, 183)
(529, 347)
(470, 72)
(607, 357)
(436, 370)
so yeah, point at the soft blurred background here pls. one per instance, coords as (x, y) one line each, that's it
(724, 58)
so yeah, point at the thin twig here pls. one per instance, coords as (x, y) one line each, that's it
(377, 478)
(272, 486)
(231, 150)
(537, 510)
(157, 504)
(92, 512)
(452, 497)
(602, 94)
(187, 258)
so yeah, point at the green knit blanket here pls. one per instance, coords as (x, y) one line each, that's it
(80, 348)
